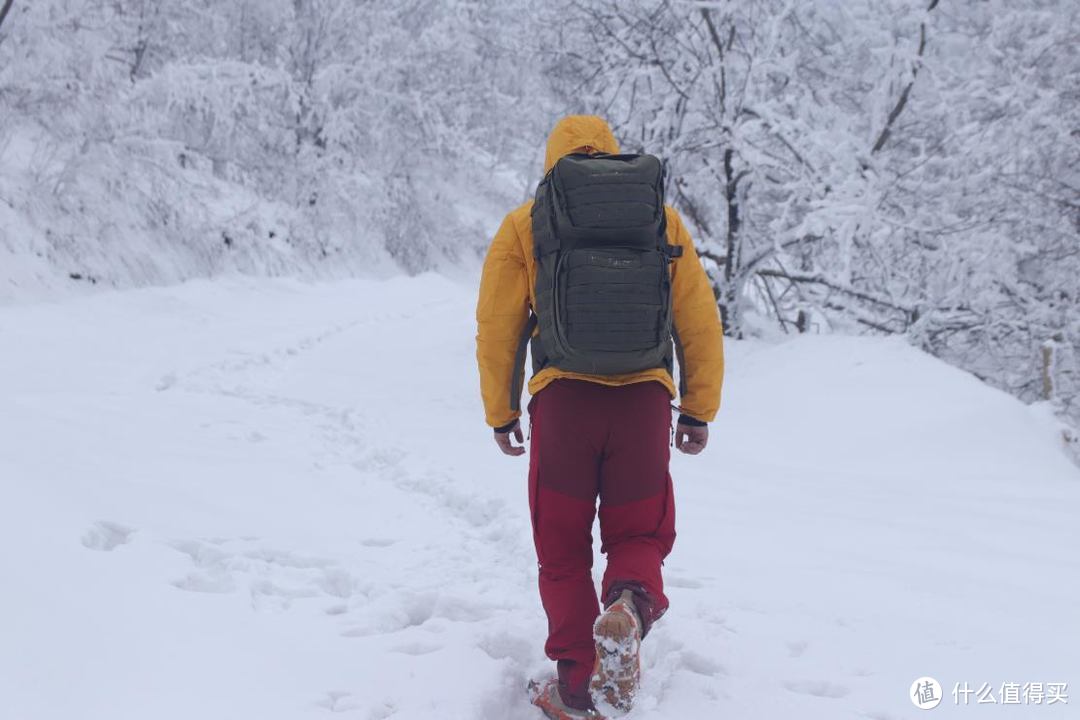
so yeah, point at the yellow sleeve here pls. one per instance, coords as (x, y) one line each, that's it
(697, 323)
(501, 313)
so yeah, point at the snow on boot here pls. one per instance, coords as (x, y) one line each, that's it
(546, 697)
(617, 674)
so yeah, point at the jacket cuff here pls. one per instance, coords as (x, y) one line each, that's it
(507, 427)
(685, 419)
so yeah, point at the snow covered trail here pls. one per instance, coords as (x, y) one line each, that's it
(256, 499)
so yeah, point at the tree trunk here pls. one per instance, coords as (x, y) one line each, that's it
(1048, 366)
(729, 294)
(5, 10)
(902, 101)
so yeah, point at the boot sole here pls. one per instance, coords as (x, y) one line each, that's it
(540, 696)
(617, 674)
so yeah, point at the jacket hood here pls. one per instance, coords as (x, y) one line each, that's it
(578, 131)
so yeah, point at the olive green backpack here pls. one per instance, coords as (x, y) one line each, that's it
(603, 289)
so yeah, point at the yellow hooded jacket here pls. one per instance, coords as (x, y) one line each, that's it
(507, 293)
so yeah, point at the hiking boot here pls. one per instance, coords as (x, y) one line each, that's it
(546, 697)
(617, 674)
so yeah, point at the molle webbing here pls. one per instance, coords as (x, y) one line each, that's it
(597, 201)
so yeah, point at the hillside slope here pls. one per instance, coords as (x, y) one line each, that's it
(264, 499)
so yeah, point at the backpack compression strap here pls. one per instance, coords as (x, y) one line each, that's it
(517, 380)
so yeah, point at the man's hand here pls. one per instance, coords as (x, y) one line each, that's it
(503, 435)
(691, 439)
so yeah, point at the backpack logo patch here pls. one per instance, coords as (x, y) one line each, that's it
(616, 263)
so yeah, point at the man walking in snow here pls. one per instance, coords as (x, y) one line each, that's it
(601, 279)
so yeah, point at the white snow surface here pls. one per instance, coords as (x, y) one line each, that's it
(265, 499)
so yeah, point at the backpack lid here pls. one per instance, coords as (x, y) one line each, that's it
(600, 200)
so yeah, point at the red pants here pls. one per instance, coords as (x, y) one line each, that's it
(589, 441)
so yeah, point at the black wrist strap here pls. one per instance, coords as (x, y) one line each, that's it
(685, 419)
(507, 427)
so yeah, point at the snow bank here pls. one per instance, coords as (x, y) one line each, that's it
(269, 499)
(148, 211)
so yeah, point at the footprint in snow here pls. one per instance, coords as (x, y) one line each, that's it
(106, 536)
(818, 688)
(409, 612)
(338, 701)
(685, 583)
(378, 542)
(701, 665)
(213, 582)
(417, 648)
(338, 583)
(504, 646)
(203, 555)
(796, 649)
(287, 559)
(381, 711)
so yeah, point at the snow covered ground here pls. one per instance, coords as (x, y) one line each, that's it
(267, 500)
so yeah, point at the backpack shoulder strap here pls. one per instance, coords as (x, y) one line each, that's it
(517, 381)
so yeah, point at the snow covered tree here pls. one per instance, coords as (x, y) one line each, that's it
(880, 167)
(902, 166)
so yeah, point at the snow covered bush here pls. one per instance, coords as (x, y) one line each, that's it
(146, 142)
